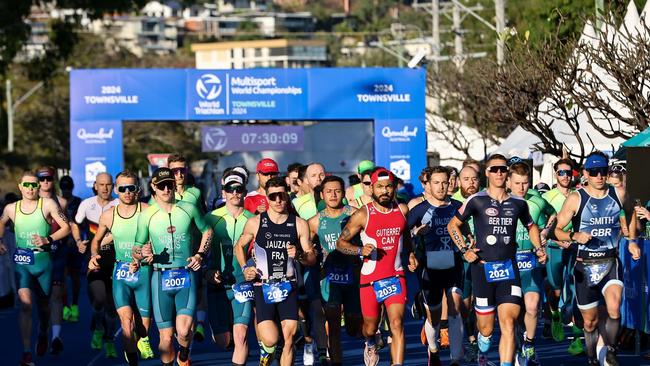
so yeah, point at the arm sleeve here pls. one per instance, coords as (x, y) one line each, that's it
(524, 215)
(80, 215)
(142, 234)
(467, 209)
(413, 218)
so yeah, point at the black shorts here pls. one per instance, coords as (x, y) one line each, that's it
(435, 282)
(284, 310)
(589, 297)
(489, 295)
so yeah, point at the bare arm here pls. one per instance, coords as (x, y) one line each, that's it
(564, 218)
(313, 227)
(250, 230)
(308, 256)
(354, 226)
(59, 217)
(105, 221)
(4, 219)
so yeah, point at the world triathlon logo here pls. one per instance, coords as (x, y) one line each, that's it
(214, 139)
(208, 86)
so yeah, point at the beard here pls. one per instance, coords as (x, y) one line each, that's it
(468, 192)
(383, 200)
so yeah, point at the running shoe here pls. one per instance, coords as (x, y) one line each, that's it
(610, 357)
(370, 356)
(145, 348)
(98, 339)
(308, 354)
(266, 359)
(26, 360)
(57, 346)
(199, 333)
(41, 345)
(187, 362)
(527, 356)
(434, 358)
(423, 336)
(109, 347)
(444, 338)
(471, 352)
(66, 313)
(74, 313)
(576, 348)
(546, 331)
(483, 343)
(557, 329)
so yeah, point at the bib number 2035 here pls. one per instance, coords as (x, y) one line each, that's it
(386, 288)
(175, 279)
(499, 271)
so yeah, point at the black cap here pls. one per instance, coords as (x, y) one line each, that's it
(542, 188)
(162, 175)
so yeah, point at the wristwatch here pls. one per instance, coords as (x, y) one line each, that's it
(571, 235)
(463, 250)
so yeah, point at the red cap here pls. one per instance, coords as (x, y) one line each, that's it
(381, 174)
(267, 165)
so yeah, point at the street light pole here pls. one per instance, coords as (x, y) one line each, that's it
(10, 118)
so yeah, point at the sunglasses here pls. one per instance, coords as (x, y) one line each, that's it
(593, 172)
(617, 169)
(131, 188)
(182, 171)
(367, 183)
(47, 178)
(234, 189)
(564, 173)
(169, 185)
(498, 169)
(29, 184)
(274, 196)
(272, 174)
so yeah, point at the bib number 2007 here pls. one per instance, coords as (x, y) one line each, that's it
(175, 279)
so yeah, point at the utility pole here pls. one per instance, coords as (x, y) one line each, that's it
(435, 32)
(458, 38)
(10, 117)
(500, 6)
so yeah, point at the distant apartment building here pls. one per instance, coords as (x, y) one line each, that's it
(281, 53)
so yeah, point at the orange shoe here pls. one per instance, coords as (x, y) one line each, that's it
(423, 336)
(444, 338)
(187, 362)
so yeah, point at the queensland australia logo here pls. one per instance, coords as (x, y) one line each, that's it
(403, 135)
(215, 139)
(208, 88)
(95, 137)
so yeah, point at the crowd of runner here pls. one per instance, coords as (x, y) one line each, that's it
(301, 258)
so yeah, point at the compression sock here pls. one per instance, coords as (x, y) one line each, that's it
(612, 327)
(183, 353)
(591, 340)
(456, 335)
(432, 335)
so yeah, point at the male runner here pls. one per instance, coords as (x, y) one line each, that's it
(366, 186)
(276, 233)
(382, 224)
(312, 317)
(425, 189)
(47, 189)
(74, 259)
(442, 272)
(495, 277)
(128, 288)
(596, 212)
(356, 191)
(100, 287)
(453, 180)
(185, 192)
(469, 184)
(292, 179)
(31, 217)
(529, 271)
(228, 306)
(256, 201)
(167, 225)
(559, 260)
(340, 272)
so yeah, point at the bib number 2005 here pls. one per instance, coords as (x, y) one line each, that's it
(24, 256)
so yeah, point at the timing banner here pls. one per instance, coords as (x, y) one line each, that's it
(392, 97)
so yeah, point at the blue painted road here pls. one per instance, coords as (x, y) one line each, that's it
(76, 337)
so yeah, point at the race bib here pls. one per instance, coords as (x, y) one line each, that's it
(526, 261)
(243, 292)
(386, 288)
(594, 273)
(175, 279)
(441, 259)
(122, 273)
(276, 292)
(499, 271)
(24, 256)
(339, 275)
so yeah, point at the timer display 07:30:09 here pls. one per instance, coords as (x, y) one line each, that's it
(284, 138)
